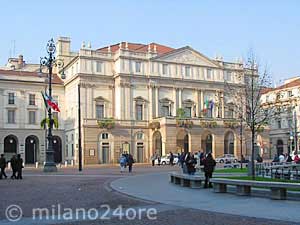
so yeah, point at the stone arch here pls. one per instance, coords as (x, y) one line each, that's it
(279, 146)
(11, 144)
(207, 142)
(183, 141)
(157, 142)
(229, 143)
(31, 149)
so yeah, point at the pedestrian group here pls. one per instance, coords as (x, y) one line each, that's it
(16, 163)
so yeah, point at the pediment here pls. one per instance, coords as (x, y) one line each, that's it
(187, 55)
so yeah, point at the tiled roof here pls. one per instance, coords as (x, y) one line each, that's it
(293, 83)
(55, 80)
(160, 49)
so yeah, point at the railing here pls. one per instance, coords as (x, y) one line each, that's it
(286, 171)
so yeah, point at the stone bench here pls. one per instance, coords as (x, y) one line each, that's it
(185, 180)
(243, 187)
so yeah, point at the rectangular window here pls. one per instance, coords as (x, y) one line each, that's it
(227, 76)
(188, 112)
(290, 123)
(137, 67)
(165, 110)
(31, 117)
(279, 124)
(290, 94)
(209, 74)
(165, 69)
(11, 98)
(31, 99)
(139, 112)
(267, 98)
(98, 67)
(67, 150)
(99, 111)
(11, 116)
(72, 150)
(187, 71)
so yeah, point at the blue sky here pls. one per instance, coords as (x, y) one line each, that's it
(230, 28)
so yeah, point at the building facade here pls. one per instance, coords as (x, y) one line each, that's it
(284, 128)
(143, 99)
(22, 111)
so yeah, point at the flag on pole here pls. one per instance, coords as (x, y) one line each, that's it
(45, 101)
(49, 102)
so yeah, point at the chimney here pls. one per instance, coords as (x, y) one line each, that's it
(20, 61)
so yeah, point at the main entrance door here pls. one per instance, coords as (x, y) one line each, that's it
(31, 145)
(140, 152)
(105, 153)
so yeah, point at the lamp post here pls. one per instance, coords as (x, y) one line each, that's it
(49, 62)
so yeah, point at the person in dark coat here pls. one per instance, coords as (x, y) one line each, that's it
(13, 164)
(171, 159)
(190, 164)
(2, 166)
(130, 162)
(209, 165)
(19, 167)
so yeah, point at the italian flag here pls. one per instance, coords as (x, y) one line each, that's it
(49, 102)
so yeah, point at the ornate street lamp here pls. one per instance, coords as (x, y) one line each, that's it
(50, 62)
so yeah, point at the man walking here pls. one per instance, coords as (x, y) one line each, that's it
(2, 166)
(19, 166)
(13, 164)
(130, 162)
(154, 156)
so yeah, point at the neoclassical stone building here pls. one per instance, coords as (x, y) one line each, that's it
(22, 110)
(143, 98)
(143, 89)
(284, 129)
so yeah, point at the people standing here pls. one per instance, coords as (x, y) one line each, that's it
(2, 166)
(130, 162)
(122, 163)
(190, 164)
(19, 167)
(281, 158)
(171, 159)
(158, 159)
(297, 159)
(13, 164)
(209, 165)
(153, 158)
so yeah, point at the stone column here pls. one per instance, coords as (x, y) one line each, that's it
(201, 100)
(156, 102)
(150, 89)
(175, 101)
(180, 98)
(197, 102)
(222, 104)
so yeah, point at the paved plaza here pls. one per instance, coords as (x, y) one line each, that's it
(146, 188)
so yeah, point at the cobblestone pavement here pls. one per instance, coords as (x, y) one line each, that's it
(189, 217)
(90, 189)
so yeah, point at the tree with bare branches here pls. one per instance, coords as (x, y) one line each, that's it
(247, 100)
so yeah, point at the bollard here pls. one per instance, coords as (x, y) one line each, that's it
(66, 163)
(36, 164)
